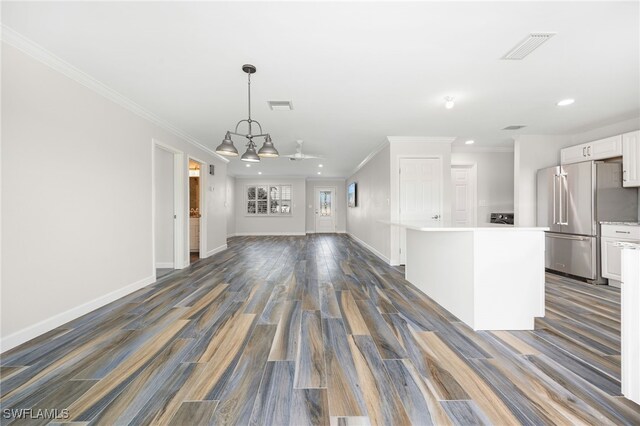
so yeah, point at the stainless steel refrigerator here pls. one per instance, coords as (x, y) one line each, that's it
(572, 201)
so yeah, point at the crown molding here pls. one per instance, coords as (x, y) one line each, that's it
(266, 178)
(336, 179)
(479, 149)
(22, 43)
(421, 139)
(369, 157)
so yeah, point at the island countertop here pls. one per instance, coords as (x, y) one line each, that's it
(449, 227)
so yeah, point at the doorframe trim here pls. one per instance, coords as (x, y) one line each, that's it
(178, 205)
(202, 206)
(473, 166)
(335, 196)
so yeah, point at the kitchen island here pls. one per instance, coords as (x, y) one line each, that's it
(491, 278)
(630, 321)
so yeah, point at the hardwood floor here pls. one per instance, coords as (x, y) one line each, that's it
(317, 330)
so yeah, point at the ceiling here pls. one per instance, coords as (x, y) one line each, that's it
(355, 72)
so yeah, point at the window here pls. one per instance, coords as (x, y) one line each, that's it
(268, 200)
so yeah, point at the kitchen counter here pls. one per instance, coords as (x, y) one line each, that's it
(630, 318)
(449, 227)
(490, 277)
(620, 223)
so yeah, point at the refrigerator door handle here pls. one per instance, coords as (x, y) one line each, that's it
(555, 180)
(568, 237)
(564, 196)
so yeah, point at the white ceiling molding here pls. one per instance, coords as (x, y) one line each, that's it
(17, 40)
(369, 157)
(481, 149)
(267, 178)
(341, 179)
(421, 139)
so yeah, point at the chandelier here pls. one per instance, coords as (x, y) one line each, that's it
(227, 148)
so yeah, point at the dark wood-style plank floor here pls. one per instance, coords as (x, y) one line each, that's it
(317, 330)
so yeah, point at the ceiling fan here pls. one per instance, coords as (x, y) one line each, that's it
(298, 155)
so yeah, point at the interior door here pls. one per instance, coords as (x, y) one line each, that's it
(463, 195)
(325, 210)
(420, 194)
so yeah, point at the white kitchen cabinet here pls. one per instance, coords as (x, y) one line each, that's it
(631, 158)
(597, 150)
(611, 258)
(573, 154)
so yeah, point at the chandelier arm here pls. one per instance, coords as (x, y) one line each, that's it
(241, 121)
(259, 126)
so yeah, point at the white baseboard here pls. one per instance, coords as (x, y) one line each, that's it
(216, 250)
(368, 247)
(35, 330)
(164, 265)
(334, 232)
(261, 234)
(231, 235)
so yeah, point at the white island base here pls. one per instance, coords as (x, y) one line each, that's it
(490, 278)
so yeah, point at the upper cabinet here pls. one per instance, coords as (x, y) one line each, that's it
(596, 150)
(631, 158)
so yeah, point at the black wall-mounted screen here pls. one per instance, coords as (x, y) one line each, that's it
(352, 194)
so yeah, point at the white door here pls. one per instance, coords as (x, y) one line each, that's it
(420, 194)
(463, 194)
(325, 209)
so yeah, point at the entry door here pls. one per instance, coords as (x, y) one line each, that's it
(325, 210)
(420, 194)
(463, 194)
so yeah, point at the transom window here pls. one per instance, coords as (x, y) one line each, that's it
(268, 200)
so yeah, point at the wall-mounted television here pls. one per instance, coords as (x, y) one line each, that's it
(352, 194)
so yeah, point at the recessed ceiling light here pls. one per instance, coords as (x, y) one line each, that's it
(280, 105)
(259, 173)
(448, 102)
(566, 102)
(320, 165)
(248, 165)
(470, 142)
(319, 173)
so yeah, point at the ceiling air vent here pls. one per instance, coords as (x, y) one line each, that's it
(528, 45)
(280, 105)
(514, 127)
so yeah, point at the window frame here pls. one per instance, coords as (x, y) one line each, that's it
(279, 199)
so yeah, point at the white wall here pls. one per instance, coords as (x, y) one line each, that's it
(340, 203)
(533, 152)
(231, 206)
(417, 147)
(76, 187)
(271, 225)
(495, 180)
(164, 227)
(363, 221)
(606, 131)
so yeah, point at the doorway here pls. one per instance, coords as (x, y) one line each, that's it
(464, 195)
(195, 211)
(167, 208)
(420, 195)
(325, 201)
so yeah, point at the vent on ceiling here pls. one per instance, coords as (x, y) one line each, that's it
(528, 45)
(514, 127)
(280, 105)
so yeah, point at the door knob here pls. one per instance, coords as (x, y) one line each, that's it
(435, 217)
